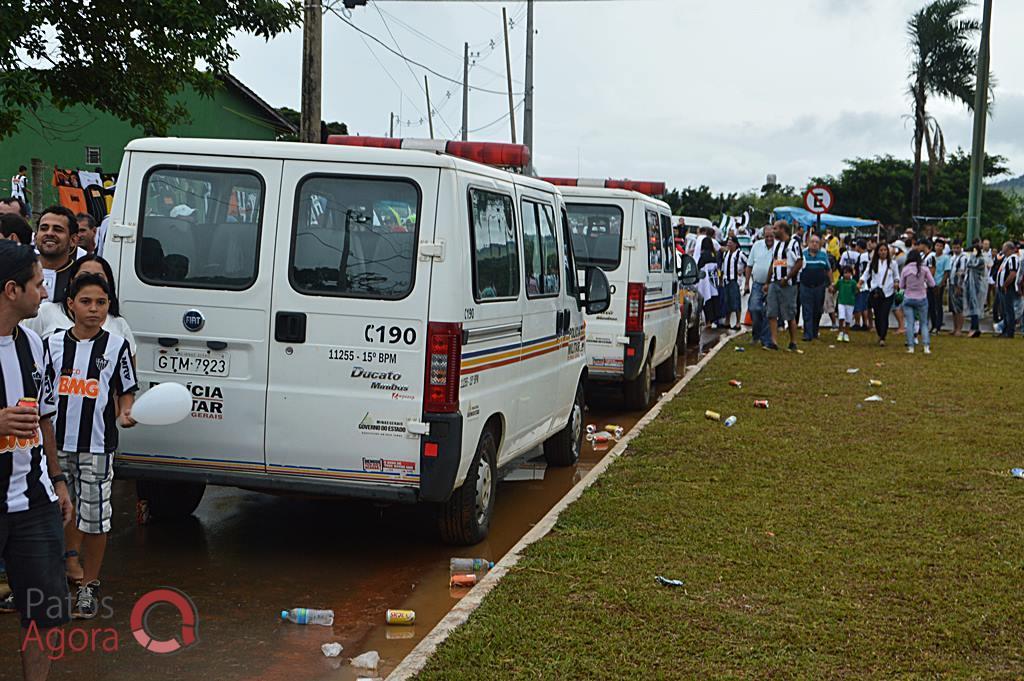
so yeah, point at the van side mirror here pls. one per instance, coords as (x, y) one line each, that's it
(597, 296)
(688, 272)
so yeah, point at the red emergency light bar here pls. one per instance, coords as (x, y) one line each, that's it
(649, 188)
(497, 154)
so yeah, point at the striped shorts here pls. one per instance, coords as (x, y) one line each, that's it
(90, 478)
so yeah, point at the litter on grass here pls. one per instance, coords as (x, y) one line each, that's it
(740, 348)
(735, 383)
(874, 398)
(875, 383)
(852, 371)
(665, 581)
(331, 649)
(1017, 472)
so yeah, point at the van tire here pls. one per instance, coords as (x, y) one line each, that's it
(170, 500)
(638, 391)
(563, 448)
(693, 334)
(459, 520)
(666, 372)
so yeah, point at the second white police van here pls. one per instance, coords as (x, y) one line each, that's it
(618, 227)
(386, 323)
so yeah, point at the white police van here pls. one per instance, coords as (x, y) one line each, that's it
(385, 323)
(618, 227)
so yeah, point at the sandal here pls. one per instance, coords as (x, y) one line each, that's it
(79, 574)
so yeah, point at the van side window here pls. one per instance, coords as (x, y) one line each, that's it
(355, 237)
(571, 282)
(200, 228)
(596, 235)
(495, 248)
(668, 242)
(655, 251)
(540, 250)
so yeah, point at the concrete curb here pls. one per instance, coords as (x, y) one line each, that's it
(417, 659)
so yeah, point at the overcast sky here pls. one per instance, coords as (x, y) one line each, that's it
(687, 91)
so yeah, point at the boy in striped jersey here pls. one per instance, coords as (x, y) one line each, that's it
(93, 384)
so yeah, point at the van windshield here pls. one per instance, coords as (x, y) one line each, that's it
(200, 228)
(355, 237)
(596, 235)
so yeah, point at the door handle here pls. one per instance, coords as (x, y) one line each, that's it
(290, 327)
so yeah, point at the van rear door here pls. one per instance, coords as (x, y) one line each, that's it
(195, 286)
(349, 323)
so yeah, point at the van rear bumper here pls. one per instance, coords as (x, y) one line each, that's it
(633, 356)
(265, 482)
(438, 473)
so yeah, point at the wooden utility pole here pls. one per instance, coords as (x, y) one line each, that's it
(977, 187)
(312, 74)
(465, 93)
(528, 83)
(508, 75)
(430, 114)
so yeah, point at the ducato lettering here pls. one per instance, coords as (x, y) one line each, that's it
(359, 372)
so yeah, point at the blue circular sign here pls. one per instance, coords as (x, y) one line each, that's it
(193, 320)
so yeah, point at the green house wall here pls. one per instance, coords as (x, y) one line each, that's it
(60, 137)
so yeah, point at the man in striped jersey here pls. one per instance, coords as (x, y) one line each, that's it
(94, 384)
(787, 259)
(1006, 285)
(34, 501)
(734, 266)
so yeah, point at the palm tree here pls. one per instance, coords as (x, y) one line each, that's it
(944, 63)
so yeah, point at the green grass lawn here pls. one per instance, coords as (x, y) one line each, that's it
(825, 537)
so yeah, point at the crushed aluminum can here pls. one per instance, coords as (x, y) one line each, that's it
(736, 384)
(458, 581)
(400, 617)
(591, 429)
(712, 415)
(665, 581)
(761, 404)
(874, 383)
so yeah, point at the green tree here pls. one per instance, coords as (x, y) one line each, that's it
(943, 64)
(125, 58)
(292, 116)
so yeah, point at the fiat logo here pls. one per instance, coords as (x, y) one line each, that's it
(193, 320)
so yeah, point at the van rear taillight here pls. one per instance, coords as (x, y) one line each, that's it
(635, 308)
(444, 365)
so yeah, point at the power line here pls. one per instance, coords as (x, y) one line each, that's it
(377, 40)
(388, 73)
(406, 62)
(499, 120)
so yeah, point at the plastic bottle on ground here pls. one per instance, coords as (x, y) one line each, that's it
(729, 422)
(464, 566)
(309, 616)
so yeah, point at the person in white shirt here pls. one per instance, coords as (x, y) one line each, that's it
(957, 275)
(56, 232)
(20, 190)
(54, 316)
(881, 281)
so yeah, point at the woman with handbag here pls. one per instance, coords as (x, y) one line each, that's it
(881, 280)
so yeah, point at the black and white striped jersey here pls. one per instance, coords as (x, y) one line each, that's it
(734, 265)
(87, 378)
(24, 479)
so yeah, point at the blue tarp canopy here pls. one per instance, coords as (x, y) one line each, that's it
(806, 218)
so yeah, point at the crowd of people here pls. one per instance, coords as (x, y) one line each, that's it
(67, 371)
(792, 274)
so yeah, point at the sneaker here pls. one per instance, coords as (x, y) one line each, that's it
(910, 349)
(7, 604)
(792, 347)
(881, 343)
(769, 346)
(927, 350)
(87, 604)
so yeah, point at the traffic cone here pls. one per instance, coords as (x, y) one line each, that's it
(747, 321)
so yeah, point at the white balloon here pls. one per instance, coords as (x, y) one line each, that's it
(163, 405)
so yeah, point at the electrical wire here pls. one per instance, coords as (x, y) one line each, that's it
(503, 93)
(499, 120)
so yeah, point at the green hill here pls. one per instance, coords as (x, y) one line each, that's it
(1012, 186)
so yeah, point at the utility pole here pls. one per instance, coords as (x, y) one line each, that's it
(312, 61)
(391, 124)
(528, 104)
(980, 122)
(465, 94)
(430, 114)
(508, 75)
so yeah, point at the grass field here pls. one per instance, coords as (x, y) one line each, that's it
(823, 538)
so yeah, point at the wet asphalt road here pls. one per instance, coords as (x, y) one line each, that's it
(245, 556)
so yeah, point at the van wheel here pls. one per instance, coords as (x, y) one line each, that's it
(684, 331)
(638, 391)
(666, 371)
(693, 334)
(563, 448)
(170, 500)
(466, 517)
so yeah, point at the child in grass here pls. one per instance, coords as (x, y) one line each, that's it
(847, 288)
(93, 381)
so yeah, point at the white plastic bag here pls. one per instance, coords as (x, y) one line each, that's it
(368, 660)
(331, 649)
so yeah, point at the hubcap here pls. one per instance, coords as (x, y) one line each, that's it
(483, 490)
(577, 428)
